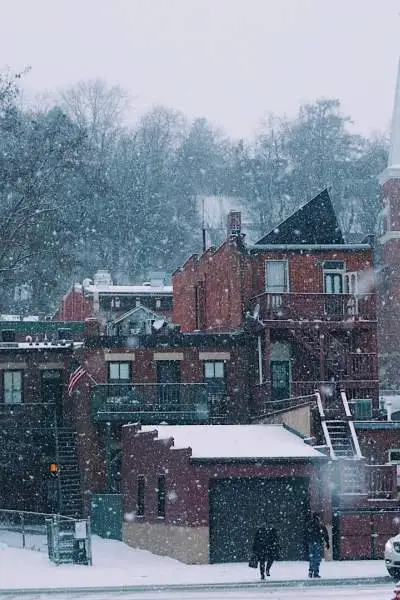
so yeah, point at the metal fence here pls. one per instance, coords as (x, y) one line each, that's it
(65, 539)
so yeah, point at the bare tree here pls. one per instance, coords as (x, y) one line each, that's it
(97, 108)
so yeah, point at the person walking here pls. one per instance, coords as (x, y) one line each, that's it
(317, 536)
(266, 548)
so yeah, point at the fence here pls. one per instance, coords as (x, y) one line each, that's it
(60, 536)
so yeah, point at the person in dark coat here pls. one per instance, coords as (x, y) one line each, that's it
(317, 536)
(266, 548)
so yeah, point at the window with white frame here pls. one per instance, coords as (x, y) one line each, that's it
(214, 369)
(276, 276)
(119, 372)
(12, 386)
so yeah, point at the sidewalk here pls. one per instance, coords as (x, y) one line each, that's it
(115, 565)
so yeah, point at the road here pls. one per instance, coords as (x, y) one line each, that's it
(371, 592)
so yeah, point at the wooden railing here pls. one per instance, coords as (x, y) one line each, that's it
(326, 307)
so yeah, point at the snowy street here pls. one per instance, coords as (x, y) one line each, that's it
(267, 593)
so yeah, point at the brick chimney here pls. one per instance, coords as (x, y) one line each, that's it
(234, 223)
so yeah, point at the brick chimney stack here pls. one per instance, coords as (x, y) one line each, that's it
(234, 223)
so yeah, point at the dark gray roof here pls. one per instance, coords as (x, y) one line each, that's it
(313, 223)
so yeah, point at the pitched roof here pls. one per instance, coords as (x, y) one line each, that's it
(313, 223)
(236, 441)
(139, 311)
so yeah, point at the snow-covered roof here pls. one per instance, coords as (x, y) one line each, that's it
(237, 441)
(139, 310)
(129, 289)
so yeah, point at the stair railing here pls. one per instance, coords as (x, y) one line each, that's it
(350, 421)
(323, 425)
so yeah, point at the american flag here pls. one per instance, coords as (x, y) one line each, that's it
(76, 375)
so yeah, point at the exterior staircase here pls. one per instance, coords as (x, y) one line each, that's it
(69, 486)
(338, 426)
(340, 437)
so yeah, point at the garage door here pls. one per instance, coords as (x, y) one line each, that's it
(238, 506)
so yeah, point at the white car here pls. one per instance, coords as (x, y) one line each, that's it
(392, 556)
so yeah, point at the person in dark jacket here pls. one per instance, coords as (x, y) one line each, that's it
(317, 536)
(266, 548)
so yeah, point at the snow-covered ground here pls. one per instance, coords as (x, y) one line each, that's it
(115, 564)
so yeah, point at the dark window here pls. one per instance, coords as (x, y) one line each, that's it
(141, 486)
(8, 335)
(161, 496)
(336, 265)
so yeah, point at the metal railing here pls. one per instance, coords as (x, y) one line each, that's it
(196, 402)
(25, 529)
(326, 307)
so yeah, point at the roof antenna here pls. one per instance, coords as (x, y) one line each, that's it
(203, 228)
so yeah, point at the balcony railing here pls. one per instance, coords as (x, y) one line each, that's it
(150, 403)
(320, 307)
(381, 481)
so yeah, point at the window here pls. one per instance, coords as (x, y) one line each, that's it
(214, 370)
(161, 496)
(12, 385)
(8, 335)
(119, 372)
(276, 276)
(394, 456)
(141, 488)
(333, 276)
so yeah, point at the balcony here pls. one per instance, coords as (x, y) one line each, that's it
(155, 403)
(381, 481)
(315, 307)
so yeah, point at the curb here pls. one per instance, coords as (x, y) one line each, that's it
(360, 581)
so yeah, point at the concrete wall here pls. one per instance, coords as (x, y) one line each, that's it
(187, 544)
(296, 418)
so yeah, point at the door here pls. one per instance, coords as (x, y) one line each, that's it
(52, 393)
(280, 379)
(215, 378)
(168, 376)
(247, 503)
(333, 286)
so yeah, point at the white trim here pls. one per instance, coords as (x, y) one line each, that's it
(214, 356)
(168, 356)
(119, 356)
(279, 260)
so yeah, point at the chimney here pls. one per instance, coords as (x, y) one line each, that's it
(234, 223)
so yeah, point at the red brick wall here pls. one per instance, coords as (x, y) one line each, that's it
(187, 484)
(305, 270)
(75, 307)
(226, 276)
(375, 443)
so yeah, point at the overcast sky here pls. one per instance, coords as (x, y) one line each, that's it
(231, 61)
